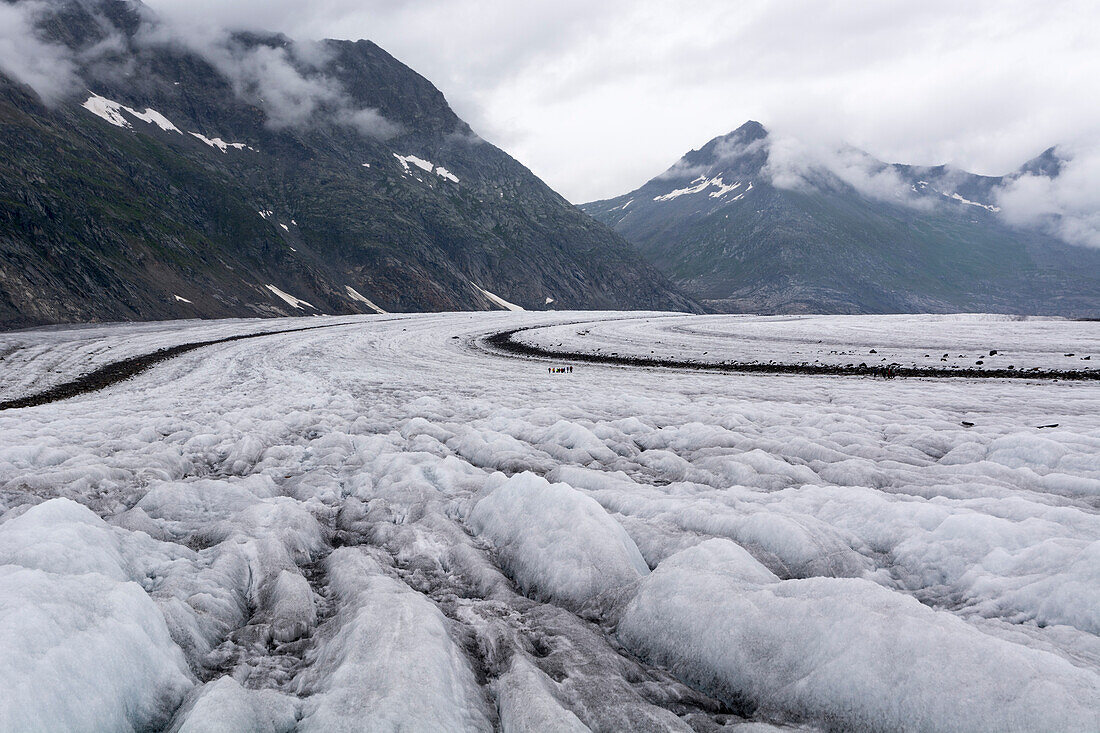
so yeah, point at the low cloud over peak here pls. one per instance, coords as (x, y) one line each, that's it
(596, 98)
(1060, 197)
(796, 164)
(1057, 192)
(27, 57)
(1066, 204)
(287, 79)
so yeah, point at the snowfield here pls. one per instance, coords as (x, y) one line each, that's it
(383, 524)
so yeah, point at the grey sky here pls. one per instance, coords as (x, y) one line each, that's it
(597, 97)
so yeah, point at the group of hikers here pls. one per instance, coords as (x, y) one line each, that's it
(559, 370)
(887, 372)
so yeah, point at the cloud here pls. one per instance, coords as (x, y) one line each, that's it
(285, 78)
(734, 147)
(369, 122)
(598, 97)
(797, 165)
(288, 82)
(464, 136)
(681, 170)
(1066, 206)
(268, 77)
(47, 68)
(728, 151)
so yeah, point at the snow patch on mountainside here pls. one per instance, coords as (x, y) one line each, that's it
(290, 299)
(356, 295)
(968, 202)
(497, 300)
(923, 186)
(741, 195)
(425, 165)
(112, 112)
(723, 189)
(220, 144)
(407, 160)
(156, 118)
(444, 173)
(699, 185)
(108, 110)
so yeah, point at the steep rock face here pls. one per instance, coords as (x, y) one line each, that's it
(249, 175)
(727, 224)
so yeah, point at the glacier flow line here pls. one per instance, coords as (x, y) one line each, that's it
(124, 369)
(505, 342)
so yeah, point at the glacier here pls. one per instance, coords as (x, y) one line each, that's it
(384, 523)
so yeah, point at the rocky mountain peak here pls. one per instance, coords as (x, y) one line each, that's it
(756, 223)
(743, 151)
(1048, 164)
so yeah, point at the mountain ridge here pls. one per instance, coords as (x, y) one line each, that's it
(204, 183)
(751, 223)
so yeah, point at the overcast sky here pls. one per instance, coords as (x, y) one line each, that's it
(597, 97)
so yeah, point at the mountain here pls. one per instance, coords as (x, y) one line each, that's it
(249, 175)
(750, 223)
